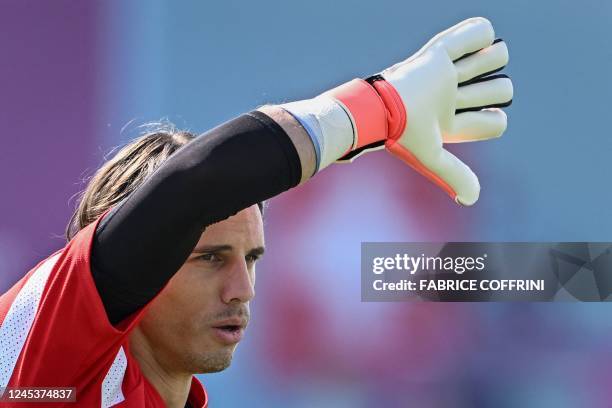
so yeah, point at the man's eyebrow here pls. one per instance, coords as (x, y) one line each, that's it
(259, 251)
(212, 248)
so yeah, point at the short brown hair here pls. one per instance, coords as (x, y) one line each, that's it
(125, 171)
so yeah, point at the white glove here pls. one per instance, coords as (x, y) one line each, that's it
(444, 93)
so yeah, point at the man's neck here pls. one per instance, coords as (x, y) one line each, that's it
(172, 386)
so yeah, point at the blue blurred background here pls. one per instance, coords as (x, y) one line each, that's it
(76, 78)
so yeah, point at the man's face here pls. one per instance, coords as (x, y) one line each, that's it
(196, 322)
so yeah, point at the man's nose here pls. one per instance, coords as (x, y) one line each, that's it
(239, 285)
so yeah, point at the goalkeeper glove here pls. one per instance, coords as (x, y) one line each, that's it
(444, 93)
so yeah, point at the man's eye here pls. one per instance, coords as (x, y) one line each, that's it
(209, 258)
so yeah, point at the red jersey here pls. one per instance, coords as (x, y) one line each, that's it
(54, 332)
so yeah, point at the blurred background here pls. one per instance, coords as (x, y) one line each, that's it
(77, 78)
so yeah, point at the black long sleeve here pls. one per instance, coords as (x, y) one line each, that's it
(141, 243)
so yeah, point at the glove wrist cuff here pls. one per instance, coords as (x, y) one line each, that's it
(366, 110)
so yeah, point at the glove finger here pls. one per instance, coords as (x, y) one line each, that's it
(495, 91)
(459, 176)
(444, 169)
(484, 62)
(475, 126)
(467, 37)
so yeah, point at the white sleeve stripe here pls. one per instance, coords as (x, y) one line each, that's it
(111, 386)
(18, 320)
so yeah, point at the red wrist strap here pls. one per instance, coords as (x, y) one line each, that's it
(376, 110)
(396, 111)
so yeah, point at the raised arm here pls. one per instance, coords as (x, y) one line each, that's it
(444, 93)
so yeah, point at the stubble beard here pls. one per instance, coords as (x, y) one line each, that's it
(214, 361)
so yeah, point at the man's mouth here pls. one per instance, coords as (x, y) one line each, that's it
(229, 328)
(230, 331)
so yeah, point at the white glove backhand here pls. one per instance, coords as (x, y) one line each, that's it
(447, 100)
(444, 93)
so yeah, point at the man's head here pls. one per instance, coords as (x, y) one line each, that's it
(196, 321)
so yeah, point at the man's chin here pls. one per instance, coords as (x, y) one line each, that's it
(217, 361)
